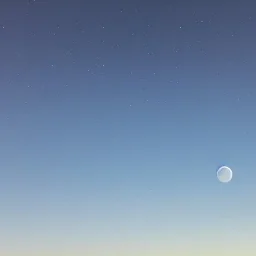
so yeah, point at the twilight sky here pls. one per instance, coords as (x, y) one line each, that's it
(114, 117)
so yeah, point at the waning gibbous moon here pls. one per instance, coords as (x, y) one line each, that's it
(224, 174)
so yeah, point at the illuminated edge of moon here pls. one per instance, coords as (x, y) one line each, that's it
(229, 169)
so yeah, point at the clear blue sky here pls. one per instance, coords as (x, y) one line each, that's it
(114, 120)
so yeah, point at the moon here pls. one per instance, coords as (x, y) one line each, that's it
(224, 174)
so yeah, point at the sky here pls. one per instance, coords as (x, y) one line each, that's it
(114, 118)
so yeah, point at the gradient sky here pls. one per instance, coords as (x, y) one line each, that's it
(114, 117)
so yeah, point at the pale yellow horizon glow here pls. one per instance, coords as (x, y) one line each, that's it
(221, 247)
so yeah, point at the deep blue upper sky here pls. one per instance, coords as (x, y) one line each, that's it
(112, 113)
